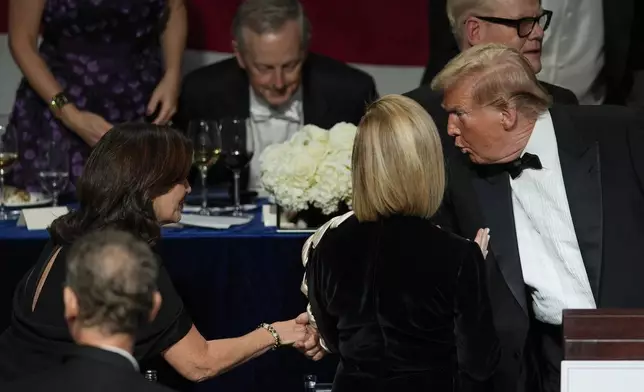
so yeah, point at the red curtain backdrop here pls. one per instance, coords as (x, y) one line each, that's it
(382, 32)
(4, 14)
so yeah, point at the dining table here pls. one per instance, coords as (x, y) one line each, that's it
(230, 280)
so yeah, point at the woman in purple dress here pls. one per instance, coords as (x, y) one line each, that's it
(101, 62)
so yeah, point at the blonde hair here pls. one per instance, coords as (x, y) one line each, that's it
(501, 78)
(459, 10)
(397, 162)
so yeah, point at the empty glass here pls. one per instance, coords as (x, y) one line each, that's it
(54, 169)
(8, 156)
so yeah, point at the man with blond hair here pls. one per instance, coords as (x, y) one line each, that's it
(520, 24)
(559, 187)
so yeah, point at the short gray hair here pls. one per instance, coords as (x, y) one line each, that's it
(268, 16)
(459, 10)
(114, 275)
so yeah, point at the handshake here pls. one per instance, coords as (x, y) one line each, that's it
(301, 335)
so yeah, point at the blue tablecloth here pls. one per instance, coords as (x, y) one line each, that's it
(230, 280)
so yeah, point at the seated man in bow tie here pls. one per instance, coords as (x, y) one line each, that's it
(274, 81)
(111, 290)
(561, 189)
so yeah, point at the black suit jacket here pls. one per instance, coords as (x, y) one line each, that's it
(603, 170)
(332, 91)
(623, 45)
(88, 369)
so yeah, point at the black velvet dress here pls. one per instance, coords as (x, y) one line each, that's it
(405, 306)
(38, 340)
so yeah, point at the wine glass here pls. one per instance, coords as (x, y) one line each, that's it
(206, 141)
(54, 169)
(237, 151)
(8, 155)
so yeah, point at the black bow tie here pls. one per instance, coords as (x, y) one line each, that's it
(514, 168)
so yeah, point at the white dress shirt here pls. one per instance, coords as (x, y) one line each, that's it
(269, 125)
(573, 48)
(123, 353)
(550, 257)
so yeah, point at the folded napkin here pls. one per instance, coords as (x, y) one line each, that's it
(213, 222)
(194, 208)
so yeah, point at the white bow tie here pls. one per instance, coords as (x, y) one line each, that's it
(261, 113)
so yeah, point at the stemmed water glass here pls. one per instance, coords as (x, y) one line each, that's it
(237, 151)
(206, 141)
(8, 155)
(54, 168)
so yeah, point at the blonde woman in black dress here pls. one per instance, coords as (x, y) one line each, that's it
(401, 301)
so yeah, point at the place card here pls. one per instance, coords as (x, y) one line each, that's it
(40, 218)
(269, 215)
(270, 219)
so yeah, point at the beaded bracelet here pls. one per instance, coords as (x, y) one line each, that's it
(273, 332)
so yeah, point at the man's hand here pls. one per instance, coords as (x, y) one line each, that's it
(482, 239)
(310, 347)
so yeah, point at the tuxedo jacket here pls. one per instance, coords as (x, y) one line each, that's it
(88, 369)
(600, 151)
(623, 45)
(332, 92)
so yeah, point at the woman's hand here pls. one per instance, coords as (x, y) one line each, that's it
(310, 347)
(290, 332)
(165, 95)
(482, 239)
(89, 126)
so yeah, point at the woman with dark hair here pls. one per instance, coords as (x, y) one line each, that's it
(134, 180)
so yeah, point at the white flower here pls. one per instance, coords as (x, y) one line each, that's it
(312, 168)
(341, 136)
(316, 133)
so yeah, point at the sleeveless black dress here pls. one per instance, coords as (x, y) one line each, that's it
(38, 340)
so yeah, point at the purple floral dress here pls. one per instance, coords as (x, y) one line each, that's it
(106, 55)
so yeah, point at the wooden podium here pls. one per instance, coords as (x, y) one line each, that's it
(603, 334)
(603, 350)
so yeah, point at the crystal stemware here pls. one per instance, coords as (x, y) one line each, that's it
(237, 148)
(8, 156)
(206, 141)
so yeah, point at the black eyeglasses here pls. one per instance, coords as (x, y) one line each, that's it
(525, 25)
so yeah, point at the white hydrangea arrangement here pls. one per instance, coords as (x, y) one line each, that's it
(312, 168)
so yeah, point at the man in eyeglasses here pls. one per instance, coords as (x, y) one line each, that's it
(519, 24)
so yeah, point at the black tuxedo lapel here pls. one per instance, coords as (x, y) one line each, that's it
(238, 100)
(314, 106)
(580, 166)
(495, 197)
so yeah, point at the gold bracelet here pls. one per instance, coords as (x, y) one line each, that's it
(58, 101)
(273, 332)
